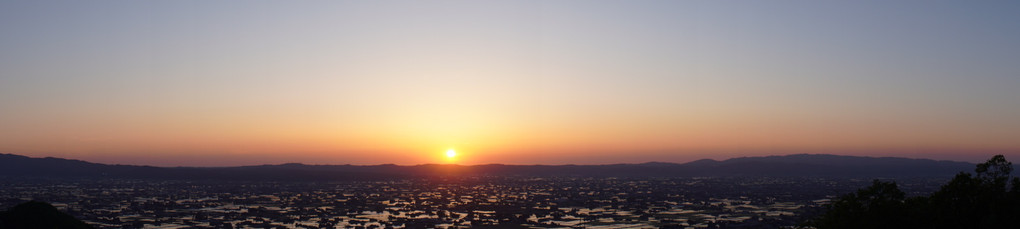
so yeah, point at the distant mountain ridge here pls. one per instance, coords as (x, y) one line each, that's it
(831, 165)
(823, 165)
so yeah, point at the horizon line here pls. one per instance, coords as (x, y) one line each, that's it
(485, 164)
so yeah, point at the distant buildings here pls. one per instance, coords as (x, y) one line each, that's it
(437, 203)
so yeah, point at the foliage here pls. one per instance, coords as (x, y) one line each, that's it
(987, 199)
(881, 204)
(34, 214)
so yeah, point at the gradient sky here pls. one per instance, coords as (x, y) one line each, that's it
(201, 83)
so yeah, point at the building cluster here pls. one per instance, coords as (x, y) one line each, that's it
(452, 202)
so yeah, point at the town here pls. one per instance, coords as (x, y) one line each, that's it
(446, 202)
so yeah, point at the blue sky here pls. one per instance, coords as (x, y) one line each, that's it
(554, 81)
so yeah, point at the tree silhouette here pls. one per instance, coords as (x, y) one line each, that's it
(880, 205)
(35, 214)
(978, 201)
(987, 199)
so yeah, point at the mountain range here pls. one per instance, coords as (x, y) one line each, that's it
(821, 165)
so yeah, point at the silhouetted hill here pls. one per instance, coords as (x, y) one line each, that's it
(17, 165)
(830, 165)
(34, 214)
(789, 165)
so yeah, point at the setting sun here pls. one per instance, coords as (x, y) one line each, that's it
(450, 154)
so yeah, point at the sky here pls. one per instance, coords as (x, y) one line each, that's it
(223, 83)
